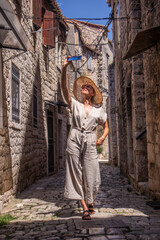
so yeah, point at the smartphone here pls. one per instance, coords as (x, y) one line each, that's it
(74, 58)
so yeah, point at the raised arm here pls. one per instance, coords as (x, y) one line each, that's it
(64, 87)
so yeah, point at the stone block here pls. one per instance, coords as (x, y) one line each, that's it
(96, 231)
(1, 150)
(2, 237)
(98, 238)
(2, 131)
(7, 174)
(113, 231)
(2, 161)
(151, 154)
(154, 184)
(1, 206)
(7, 185)
(157, 160)
(115, 237)
(157, 146)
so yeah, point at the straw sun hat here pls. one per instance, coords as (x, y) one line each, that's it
(77, 88)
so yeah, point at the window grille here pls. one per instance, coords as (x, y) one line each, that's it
(15, 94)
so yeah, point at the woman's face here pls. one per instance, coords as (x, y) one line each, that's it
(88, 90)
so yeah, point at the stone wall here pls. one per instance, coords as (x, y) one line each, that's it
(23, 147)
(1, 90)
(112, 117)
(139, 121)
(137, 99)
(152, 76)
(151, 63)
(130, 97)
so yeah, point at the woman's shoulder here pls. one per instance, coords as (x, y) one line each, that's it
(75, 103)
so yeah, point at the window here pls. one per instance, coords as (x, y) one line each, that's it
(59, 54)
(35, 106)
(37, 13)
(49, 28)
(89, 61)
(15, 94)
(107, 62)
(46, 19)
(77, 64)
(76, 36)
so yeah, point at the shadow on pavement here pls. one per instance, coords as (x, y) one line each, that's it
(43, 213)
(65, 229)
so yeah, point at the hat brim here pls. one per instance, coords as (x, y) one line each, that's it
(77, 90)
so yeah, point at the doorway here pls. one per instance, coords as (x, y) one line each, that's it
(60, 143)
(129, 130)
(50, 131)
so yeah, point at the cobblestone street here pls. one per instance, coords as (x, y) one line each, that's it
(121, 213)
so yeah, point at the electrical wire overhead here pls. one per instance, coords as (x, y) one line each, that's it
(88, 19)
(98, 19)
(107, 25)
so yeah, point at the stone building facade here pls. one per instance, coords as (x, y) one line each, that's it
(33, 116)
(135, 89)
(90, 41)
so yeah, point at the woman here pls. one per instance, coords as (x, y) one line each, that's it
(82, 167)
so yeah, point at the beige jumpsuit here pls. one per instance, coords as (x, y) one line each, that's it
(82, 167)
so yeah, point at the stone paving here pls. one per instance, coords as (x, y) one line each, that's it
(121, 213)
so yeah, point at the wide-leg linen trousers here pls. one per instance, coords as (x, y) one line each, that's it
(82, 174)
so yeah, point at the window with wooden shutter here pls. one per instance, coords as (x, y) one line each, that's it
(49, 28)
(37, 12)
(15, 94)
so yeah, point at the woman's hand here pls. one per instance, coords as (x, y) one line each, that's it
(100, 141)
(105, 133)
(66, 62)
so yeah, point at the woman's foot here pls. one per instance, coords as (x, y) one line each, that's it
(91, 209)
(86, 215)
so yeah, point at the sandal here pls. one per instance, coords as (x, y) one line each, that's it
(90, 208)
(86, 216)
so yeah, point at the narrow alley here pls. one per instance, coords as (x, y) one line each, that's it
(119, 63)
(42, 213)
